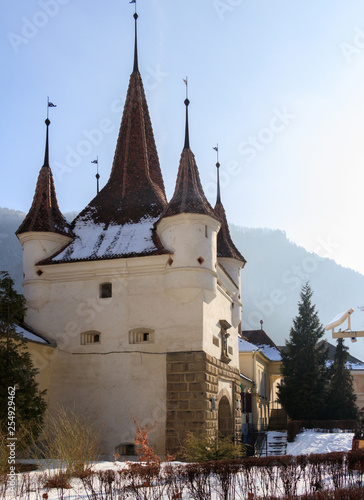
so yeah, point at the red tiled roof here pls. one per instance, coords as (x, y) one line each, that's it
(225, 245)
(188, 195)
(44, 214)
(135, 190)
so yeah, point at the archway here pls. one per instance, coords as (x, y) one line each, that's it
(225, 418)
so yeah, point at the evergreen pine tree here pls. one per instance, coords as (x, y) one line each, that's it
(304, 388)
(16, 367)
(341, 397)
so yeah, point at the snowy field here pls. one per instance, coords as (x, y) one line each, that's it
(307, 442)
(318, 442)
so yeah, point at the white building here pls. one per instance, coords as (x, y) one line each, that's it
(139, 297)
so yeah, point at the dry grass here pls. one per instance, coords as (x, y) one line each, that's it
(70, 442)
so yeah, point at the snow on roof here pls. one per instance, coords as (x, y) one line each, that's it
(354, 366)
(245, 346)
(349, 365)
(33, 337)
(95, 241)
(272, 353)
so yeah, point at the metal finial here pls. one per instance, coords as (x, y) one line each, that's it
(97, 173)
(47, 122)
(46, 152)
(136, 66)
(187, 102)
(218, 197)
(261, 324)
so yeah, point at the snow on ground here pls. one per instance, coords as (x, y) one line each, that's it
(310, 441)
(306, 442)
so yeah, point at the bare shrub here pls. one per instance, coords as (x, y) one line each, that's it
(70, 442)
(175, 479)
(225, 472)
(199, 478)
(145, 481)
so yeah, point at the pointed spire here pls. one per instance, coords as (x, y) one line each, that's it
(44, 214)
(135, 189)
(134, 193)
(188, 195)
(225, 245)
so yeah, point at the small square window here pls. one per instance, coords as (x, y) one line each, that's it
(145, 337)
(105, 290)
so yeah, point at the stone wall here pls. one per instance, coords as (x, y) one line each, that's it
(192, 382)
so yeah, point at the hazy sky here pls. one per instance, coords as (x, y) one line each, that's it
(278, 84)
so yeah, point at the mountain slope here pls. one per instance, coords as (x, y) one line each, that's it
(272, 278)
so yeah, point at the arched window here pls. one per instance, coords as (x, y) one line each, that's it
(141, 336)
(90, 337)
(105, 290)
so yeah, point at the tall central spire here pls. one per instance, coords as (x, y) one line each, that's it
(135, 188)
(134, 196)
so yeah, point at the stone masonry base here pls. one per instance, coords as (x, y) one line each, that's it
(192, 382)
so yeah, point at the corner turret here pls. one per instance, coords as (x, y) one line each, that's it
(44, 231)
(188, 228)
(228, 256)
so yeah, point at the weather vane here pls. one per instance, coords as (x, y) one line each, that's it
(186, 83)
(97, 173)
(134, 1)
(50, 105)
(216, 148)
